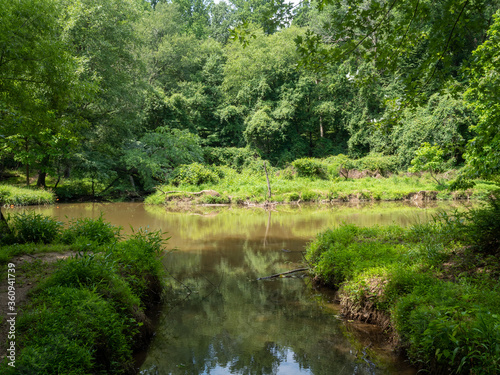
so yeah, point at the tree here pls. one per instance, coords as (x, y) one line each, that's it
(38, 79)
(483, 151)
(270, 15)
(439, 35)
(264, 133)
(157, 153)
(429, 159)
(102, 35)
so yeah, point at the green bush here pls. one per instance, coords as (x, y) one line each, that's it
(33, 227)
(95, 272)
(482, 226)
(309, 196)
(195, 174)
(293, 197)
(446, 333)
(478, 227)
(236, 158)
(73, 331)
(309, 167)
(95, 231)
(74, 188)
(377, 162)
(139, 256)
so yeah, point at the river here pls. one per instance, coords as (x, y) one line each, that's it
(219, 319)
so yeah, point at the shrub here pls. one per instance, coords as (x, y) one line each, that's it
(309, 167)
(335, 164)
(33, 227)
(483, 226)
(94, 231)
(309, 196)
(75, 331)
(70, 189)
(137, 257)
(377, 162)
(195, 174)
(293, 197)
(236, 158)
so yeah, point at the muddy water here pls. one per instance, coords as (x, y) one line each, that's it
(220, 319)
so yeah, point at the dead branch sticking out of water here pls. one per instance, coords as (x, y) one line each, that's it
(283, 273)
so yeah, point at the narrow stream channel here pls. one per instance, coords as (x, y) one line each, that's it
(219, 319)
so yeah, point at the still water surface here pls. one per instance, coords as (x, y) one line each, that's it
(220, 319)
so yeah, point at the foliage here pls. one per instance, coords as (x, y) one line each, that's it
(444, 326)
(70, 332)
(195, 174)
(444, 121)
(237, 158)
(17, 196)
(479, 226)
(308, 167)
(122, 93)
(482, 151)
(430, 159)
(87, 315)
(94, 231)
(158, 153)
(33, 227)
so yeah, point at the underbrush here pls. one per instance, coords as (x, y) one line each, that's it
(88, 315)
(311, 180)
(437, 284)
(252, 186)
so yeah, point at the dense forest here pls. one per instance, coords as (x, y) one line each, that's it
(124, 92)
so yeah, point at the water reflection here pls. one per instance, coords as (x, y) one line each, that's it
(219, 319)
(223, 321)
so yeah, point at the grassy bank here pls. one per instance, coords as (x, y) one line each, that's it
(86, 313)
(433, 286)
(18, 196)
(214, 185)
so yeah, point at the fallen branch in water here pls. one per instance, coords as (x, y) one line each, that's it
(283, 273)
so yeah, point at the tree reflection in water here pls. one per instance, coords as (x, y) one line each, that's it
(232, 324)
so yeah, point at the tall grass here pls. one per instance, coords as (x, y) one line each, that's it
(12, 195)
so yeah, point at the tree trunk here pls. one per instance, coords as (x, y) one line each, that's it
(268, 184)
(41, 179)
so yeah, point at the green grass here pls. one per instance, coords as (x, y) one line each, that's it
(87, 313)
(436, 282)
(252, 186)
(17, 196)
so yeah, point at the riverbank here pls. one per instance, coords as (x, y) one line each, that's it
(224, 185)
(76, 300)
(433, 287)
(251, 187)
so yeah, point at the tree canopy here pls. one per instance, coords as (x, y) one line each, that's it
(125, 90)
